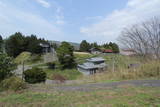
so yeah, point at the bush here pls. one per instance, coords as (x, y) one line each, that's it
(13, 83)
(6, 66)
(35, 75)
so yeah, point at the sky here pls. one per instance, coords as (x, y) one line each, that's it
(98, 21)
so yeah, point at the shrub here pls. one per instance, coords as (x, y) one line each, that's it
(35, 75)
(13, 83)
(6, 66)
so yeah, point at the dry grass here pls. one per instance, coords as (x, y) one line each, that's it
(150, 70)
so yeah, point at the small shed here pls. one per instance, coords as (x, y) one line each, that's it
(92, 66)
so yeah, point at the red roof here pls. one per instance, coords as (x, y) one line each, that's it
(108, 51)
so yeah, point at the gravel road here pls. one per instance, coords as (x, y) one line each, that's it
(95, 86)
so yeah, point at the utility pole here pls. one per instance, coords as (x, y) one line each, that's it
(113, 64)
(22, 70)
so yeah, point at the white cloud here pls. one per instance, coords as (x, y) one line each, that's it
(14, 20)
(109, 28)
(59, 16)
(44, 3)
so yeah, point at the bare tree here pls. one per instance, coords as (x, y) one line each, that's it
(144, 38)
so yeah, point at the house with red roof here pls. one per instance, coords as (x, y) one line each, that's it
(107, 51)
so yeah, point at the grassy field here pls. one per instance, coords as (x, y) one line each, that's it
(81, 57)
(149, 70)
(124, 96)
(28, 58)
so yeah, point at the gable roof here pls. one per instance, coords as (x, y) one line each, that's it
(95, 59)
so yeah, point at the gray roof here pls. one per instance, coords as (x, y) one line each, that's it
(88, 65)
(96, 59)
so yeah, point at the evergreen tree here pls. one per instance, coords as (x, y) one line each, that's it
(54, 45)
(85, 46)
(65, 56)
(15, 44)
(1, 43)
(32, 44)
(18, 43)
(94, 45)
(115, 48)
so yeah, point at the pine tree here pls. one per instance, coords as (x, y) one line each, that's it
(1, 43)
(85, 46)
(65, 56)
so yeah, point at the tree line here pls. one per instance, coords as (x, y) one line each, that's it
(86, 46)
(18, 43)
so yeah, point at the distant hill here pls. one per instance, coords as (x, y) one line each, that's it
(75, 45)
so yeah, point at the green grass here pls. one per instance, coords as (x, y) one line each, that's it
(125, 96)
(80, 58)
(22, 57)
(70, 74)
(28, 58)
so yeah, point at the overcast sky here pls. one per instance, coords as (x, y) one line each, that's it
(74, 20)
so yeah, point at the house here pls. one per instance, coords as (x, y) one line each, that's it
(108, 51)
(127, 52)
(46, 48)
(95, 51)
(49, 53)
(92, 66)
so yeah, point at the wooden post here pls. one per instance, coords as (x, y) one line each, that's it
(113, 65)
(22, 70)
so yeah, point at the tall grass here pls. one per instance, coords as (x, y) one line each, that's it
(121, 61)
(149, 70)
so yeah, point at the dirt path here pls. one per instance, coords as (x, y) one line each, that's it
(95, 86)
